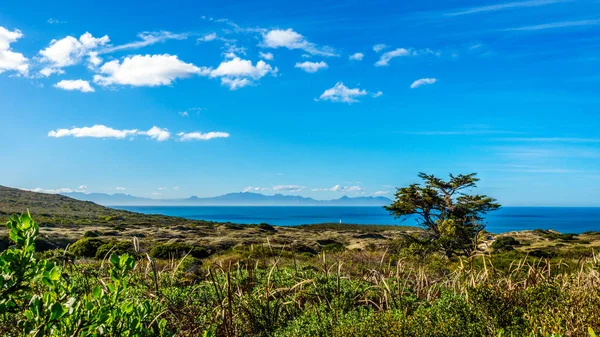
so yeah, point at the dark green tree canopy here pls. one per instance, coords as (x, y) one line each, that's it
(451, 217)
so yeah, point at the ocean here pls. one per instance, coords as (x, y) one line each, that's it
(562, 219)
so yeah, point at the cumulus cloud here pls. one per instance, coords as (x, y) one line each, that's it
(69, 51)
(96, 131)
(49, 191)
(266, 56)
(201, 136)
(386, 57)
(379, 47)
(311, 67)
(146, 39)
(341, 93)
(82, 187)
(147, 70)
(422, 81)
(79, 85)
(340, 188)
(288, 188)
(9, 60)
(157, 133)
(376, 94)
(356, 57)
(102, 131)
(288, 38)
(236, 72)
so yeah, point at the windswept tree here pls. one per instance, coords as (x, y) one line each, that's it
(451, 217)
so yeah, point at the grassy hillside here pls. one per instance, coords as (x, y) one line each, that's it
(55, 209)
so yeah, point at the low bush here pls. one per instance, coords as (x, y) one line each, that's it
(177, 250)
(86, 247)
(505, 243)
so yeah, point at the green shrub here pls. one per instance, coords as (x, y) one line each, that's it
(114, 247)
(505, 243)
(91, 234)
(177, 250)
(86, 247)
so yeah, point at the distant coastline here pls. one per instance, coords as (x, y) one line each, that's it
(229, 199)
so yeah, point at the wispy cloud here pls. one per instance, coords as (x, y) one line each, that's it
(201, 136)
(146, 39)
(340, 188)
(554, 25)
(550, 140)
(386, 57)
(504, 6)
(422, 81)
(289, 188)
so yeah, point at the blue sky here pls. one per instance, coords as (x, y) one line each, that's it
(320, 99)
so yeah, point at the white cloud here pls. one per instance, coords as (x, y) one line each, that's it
(422, 81)
(341, 93)
(49, 71)
(93, 60)
(9, 60)
(502, 6)
(55, 21)
(175, 188)
(187, 112)
(266, 56)
(147, 70)
(288, 188)
(311, 67)
(201, 136)
(340, 188)
(82, 187)
(207, 37)
(376, 94)
(386, 57)
(156, 193)
(102, 131)
(290, 39)
(50, 191)
(381, 193)
(237, 73)
(69, 51)
(553, 25)
(79, 85)
(119, 188)
(255, 189)
(379, 47)
(356, 57)
(147, 38)
(96, 131)
(157, 133)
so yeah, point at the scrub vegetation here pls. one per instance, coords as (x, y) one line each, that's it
(82, 274)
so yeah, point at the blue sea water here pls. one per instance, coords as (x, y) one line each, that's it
(562, 219)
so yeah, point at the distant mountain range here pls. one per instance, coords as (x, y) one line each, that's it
(230, 199)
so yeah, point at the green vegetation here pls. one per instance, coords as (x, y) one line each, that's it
(136, 275)
(276, 292)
